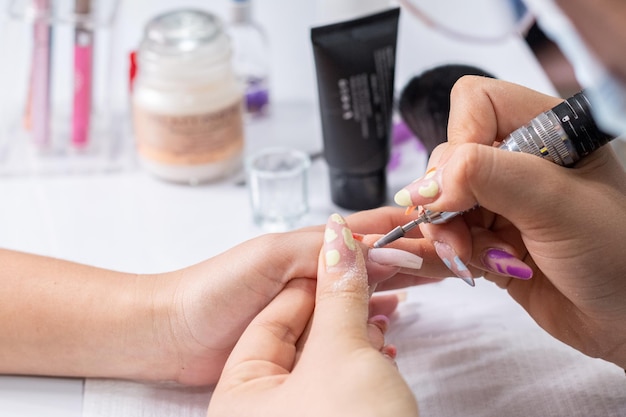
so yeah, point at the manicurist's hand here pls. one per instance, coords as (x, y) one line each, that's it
(337, 367)
(554, 237)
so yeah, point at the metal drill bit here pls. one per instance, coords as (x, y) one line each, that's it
(427, 216)
(399, 232)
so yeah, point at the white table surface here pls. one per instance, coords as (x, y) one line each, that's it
(132, 222)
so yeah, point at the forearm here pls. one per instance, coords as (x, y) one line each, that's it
(62, 318)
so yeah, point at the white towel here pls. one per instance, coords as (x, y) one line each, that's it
(464, 351)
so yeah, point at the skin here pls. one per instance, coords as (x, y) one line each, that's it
(179, 326)
(567, 224)
(330, 368)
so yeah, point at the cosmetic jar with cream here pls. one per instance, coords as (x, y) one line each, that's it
(187, 104)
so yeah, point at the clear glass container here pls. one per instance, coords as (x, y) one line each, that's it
(250, 57)
(186, 102)
(55, 110)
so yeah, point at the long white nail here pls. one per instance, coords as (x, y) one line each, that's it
(395, 257)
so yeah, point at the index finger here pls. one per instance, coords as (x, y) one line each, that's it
(485, 110)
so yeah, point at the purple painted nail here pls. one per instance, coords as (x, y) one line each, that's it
(503, 263)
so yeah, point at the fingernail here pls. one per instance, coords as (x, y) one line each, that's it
(390, 351)
(503, 263)
(381, 321)
(402, 296)
(450, 258)
(421, 191)
(395, 257)
(339, 244)
(358, 236)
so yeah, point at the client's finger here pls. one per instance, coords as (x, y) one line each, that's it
(268, 344)
(376, 328)
(385, 304)
(342, 299)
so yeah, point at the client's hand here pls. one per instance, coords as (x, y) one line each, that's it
(179, 325)
(336, 368)
(202, 310)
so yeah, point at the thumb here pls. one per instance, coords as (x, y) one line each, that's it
(268, 346)
(342, 298)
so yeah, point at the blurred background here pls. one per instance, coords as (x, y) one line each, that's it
(287, 26)
(494, 36)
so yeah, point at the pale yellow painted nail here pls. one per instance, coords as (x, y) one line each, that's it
(337, 219)
(402, 296)
(403, 198)
(332, 257)
(330, 235)
(429, 191)
(348, 238)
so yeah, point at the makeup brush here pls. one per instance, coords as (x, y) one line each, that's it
(424, 102)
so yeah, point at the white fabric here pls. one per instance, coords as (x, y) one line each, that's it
(464, 351)
(475, 352)
(109, 398)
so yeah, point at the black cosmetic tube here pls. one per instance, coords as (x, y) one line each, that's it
(355, 64)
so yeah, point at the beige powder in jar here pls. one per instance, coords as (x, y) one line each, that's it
(187, 104)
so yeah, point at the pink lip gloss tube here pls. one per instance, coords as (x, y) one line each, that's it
(83, 57)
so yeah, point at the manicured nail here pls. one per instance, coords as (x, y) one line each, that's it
(395, 257)
(450, 258)
(340, 249)
(421, 191)
(402, 296)
(358, 236)
(503, 263)
(390, 351)
(381, 321)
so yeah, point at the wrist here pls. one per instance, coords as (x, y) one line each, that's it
(150, 341)
(166, 337)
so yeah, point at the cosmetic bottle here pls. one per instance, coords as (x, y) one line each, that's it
(57, 108)
(355, 64)
(250, 57)
(186, 103)
(333, 11)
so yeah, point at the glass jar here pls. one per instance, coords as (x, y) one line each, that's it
(186, 103)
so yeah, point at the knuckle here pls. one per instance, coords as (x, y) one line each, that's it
(468, 85)
(466, 172)
(469, 162)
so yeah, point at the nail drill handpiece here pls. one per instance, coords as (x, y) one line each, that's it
(563, 135)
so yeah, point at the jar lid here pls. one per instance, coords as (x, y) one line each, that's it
(181, 31)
